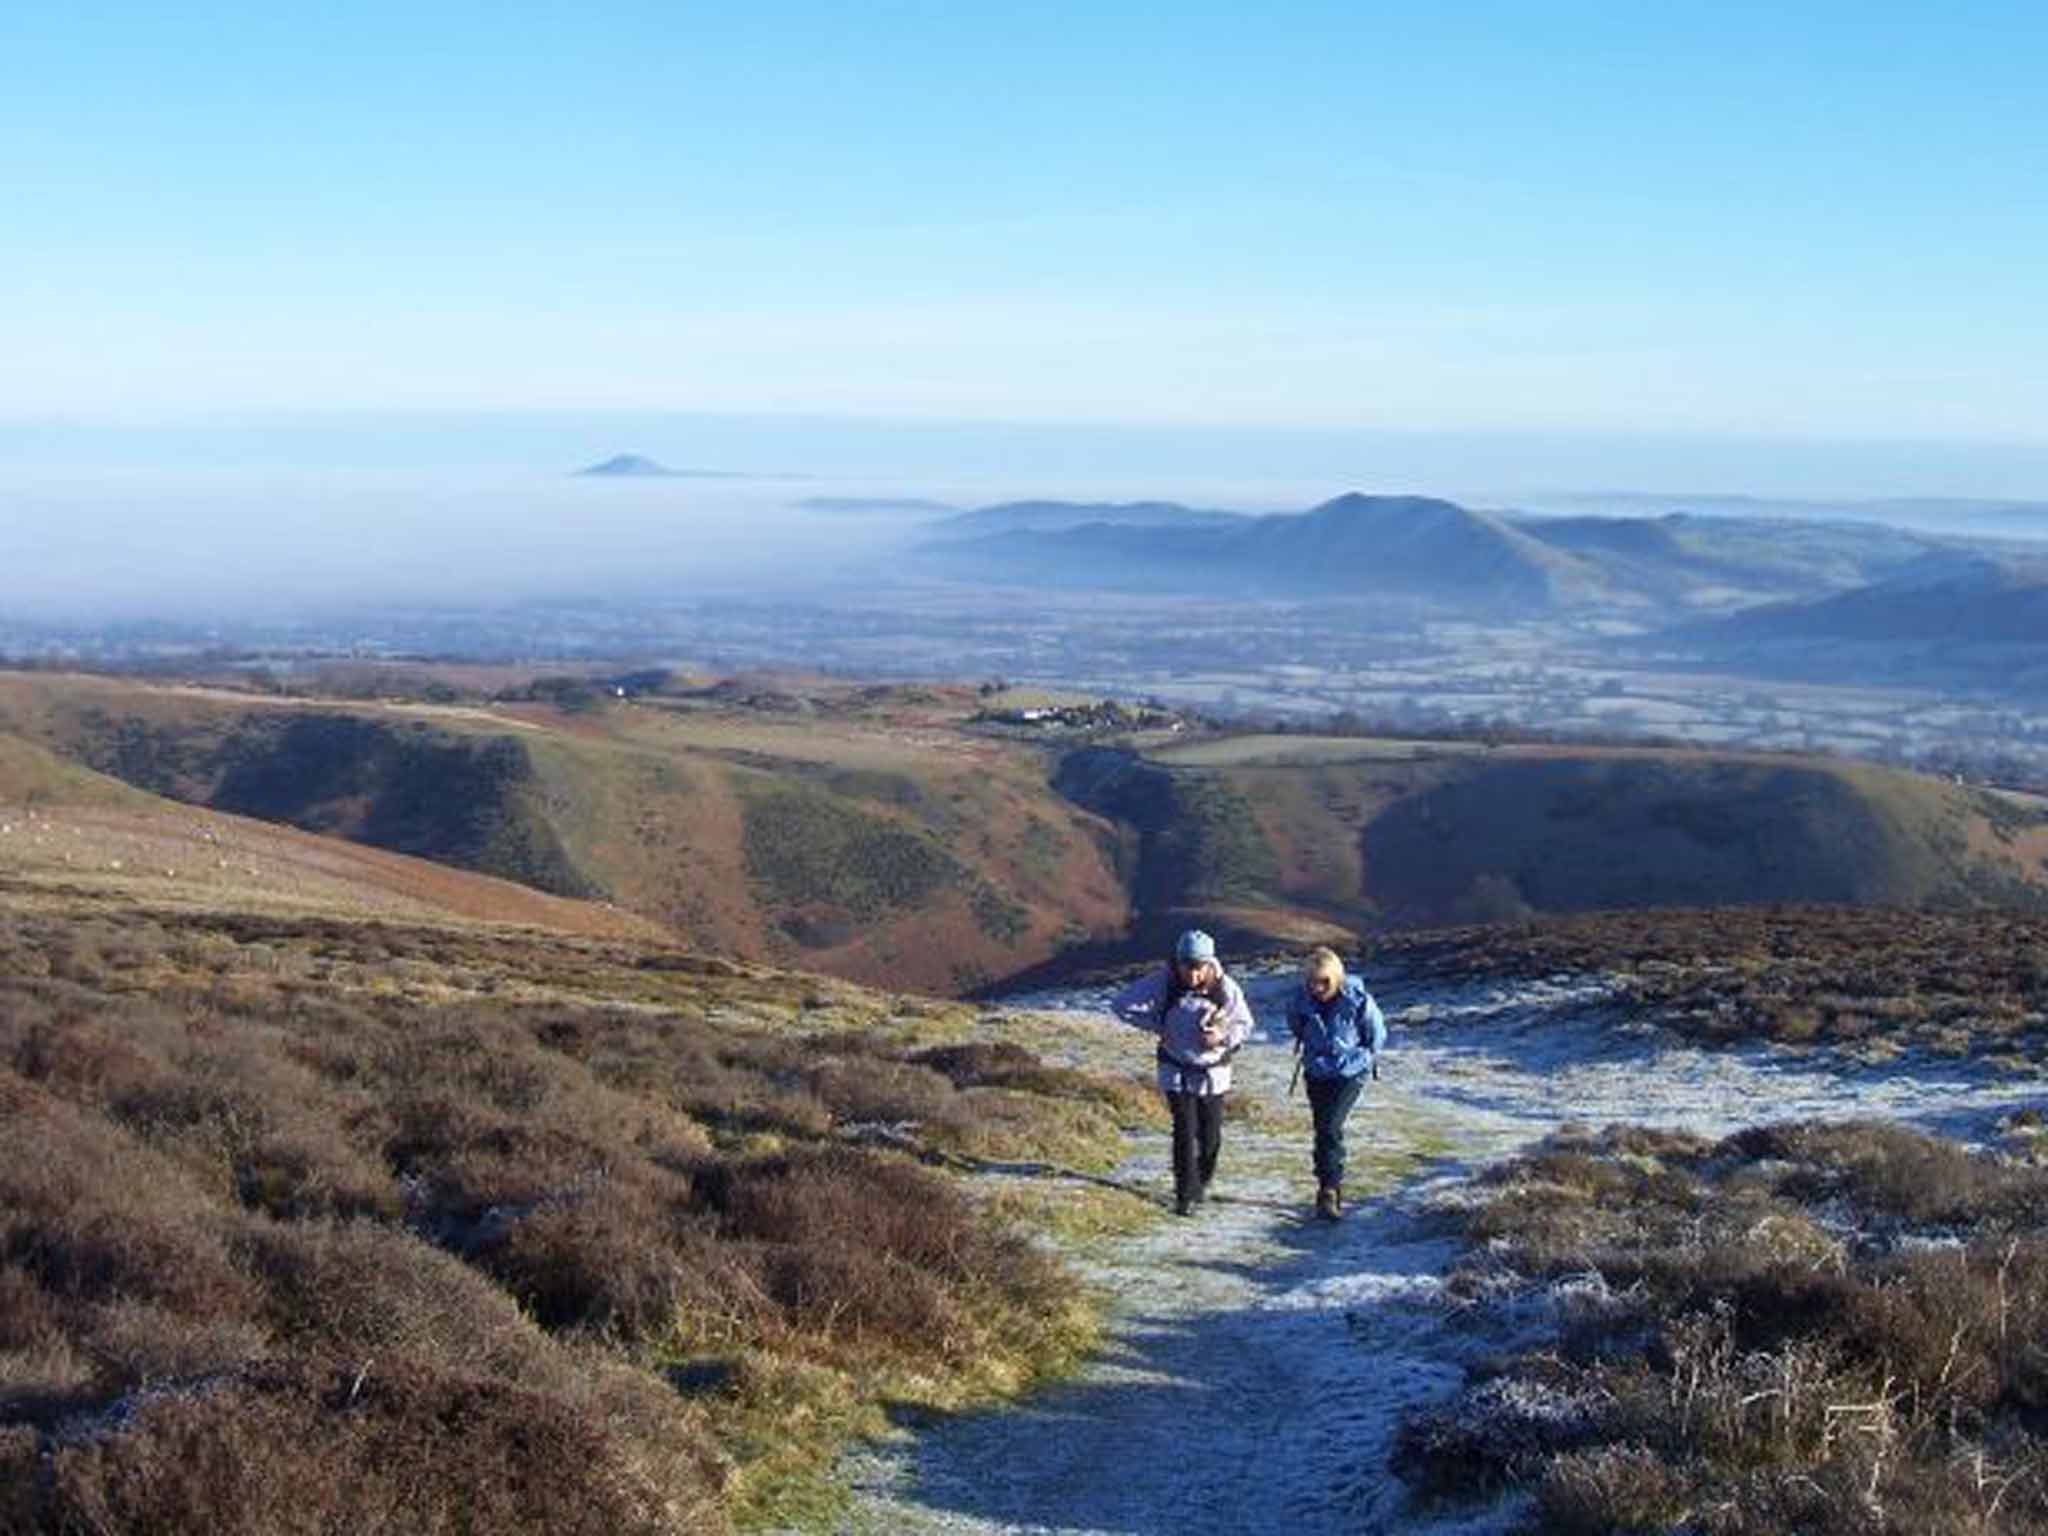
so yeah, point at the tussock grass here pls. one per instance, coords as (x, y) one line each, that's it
(1815, 1327)
(305, 1244)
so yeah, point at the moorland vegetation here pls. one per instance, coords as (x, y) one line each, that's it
(1876, 982)
(1834, 1328)
(311, 1224)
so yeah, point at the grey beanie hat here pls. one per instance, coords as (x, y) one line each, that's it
(1194, 946)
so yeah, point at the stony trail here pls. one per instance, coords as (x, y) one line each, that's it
(1258, 1363)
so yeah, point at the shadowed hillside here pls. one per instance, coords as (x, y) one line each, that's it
(1288, 830)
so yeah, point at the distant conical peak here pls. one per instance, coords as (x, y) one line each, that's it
(627, 464)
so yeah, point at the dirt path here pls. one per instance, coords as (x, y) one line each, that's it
(1257, 1363)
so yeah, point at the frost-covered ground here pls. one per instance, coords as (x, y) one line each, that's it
(1258, 1363)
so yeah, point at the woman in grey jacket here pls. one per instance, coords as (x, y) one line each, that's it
(1200, 1019)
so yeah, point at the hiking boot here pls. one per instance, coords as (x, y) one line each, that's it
(1336, 1201)
(1326, 1202)
(1183, 1206)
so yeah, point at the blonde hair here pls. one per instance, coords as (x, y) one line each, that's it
(1323, 962)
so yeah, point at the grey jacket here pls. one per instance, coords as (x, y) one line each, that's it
(1186, 1065)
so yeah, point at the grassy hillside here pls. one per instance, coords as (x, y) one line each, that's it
(1283, 831)
(66, 831)
(863, 834)
(874, 833)
(369, 1225)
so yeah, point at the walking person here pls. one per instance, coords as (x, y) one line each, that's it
(1339, 1031)
(1200, 1019)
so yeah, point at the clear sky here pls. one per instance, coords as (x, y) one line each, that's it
(1759, 221)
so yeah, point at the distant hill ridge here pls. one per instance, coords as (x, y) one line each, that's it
(1432, 550)
(1966, 601)
(1411, 544)
(1065, 516)
(634, 466)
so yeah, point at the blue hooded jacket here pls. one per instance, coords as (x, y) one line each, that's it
(1340, 1036)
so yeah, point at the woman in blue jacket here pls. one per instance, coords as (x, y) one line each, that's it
(1339, 1032)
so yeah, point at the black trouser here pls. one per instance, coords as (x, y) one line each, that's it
(1197, 1139)
(1330, 1100)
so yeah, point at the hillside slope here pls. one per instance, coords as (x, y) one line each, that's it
(870, 843)
(1285, 832)
(66, 829)
(447, 1228)
(1415, 548)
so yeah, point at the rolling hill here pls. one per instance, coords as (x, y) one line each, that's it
(1966, 620)
(1064, 516)
(1409, 547)
(867, 843)
(877, 834)
(1282, 833)
(1424, 549)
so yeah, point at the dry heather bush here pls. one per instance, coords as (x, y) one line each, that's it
(401, 1447)
(1004, 1064)
(864, 1247)
(857, 1092)
(1888, 1171)
(628, 1261)
(20, 1462)
(364, 1290)
(1799, 975)
(97, 1217)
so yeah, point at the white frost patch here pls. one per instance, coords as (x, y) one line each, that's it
(1259, 1364)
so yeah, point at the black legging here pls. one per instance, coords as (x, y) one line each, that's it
(1197, 1139)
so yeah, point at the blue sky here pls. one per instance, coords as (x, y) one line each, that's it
(1744, 221)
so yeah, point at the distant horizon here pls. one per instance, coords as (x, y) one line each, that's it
(915, 453)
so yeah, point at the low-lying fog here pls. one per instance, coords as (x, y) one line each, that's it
(260, 545)
(86, 548)
(240, 523)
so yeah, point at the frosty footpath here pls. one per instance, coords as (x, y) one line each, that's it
(1257, 1363)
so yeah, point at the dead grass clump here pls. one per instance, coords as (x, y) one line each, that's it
(1608, 1489)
